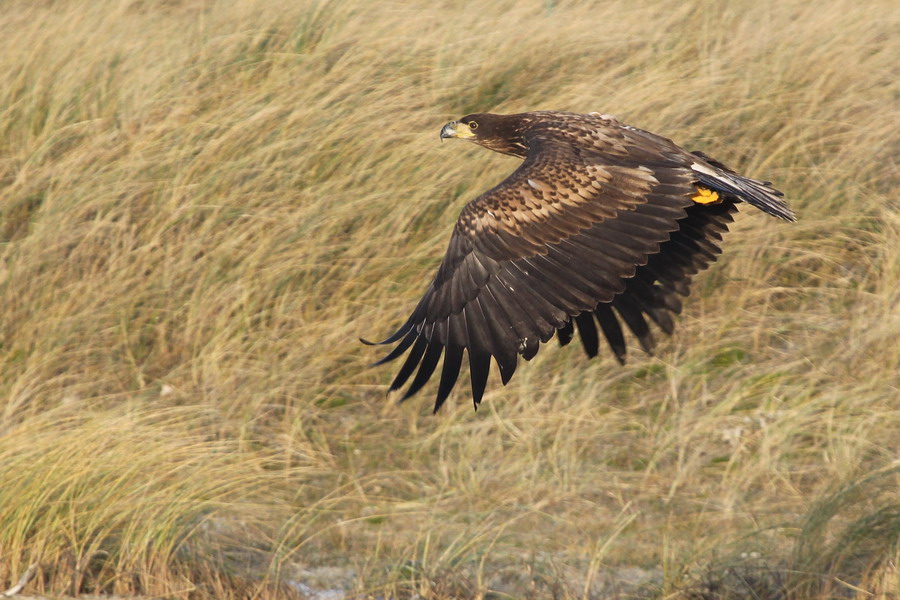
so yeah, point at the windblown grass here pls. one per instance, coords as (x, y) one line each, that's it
(204, 203)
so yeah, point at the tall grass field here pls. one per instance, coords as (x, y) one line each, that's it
(205, 203)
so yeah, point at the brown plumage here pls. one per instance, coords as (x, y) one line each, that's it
(602, 224)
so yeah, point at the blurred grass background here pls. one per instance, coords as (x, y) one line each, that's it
(203, 204)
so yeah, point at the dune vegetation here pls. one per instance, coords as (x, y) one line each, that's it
(205, 203)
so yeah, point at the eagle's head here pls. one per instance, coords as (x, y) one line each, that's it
(500, 133)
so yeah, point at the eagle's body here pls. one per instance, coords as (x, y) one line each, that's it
(601, 224)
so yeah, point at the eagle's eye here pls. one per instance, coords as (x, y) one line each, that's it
(473, 125)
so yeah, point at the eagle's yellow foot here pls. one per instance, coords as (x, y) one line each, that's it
(706, 196)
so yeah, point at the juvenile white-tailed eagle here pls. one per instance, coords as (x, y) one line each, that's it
(602, 224)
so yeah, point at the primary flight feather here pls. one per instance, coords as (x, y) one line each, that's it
(602, 224)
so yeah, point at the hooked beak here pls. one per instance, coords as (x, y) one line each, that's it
(455, 129)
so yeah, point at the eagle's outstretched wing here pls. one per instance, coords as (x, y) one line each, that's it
(601, 224)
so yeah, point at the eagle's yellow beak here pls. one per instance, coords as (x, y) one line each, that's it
(455, 129)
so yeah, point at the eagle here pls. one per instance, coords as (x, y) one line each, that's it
(602, 224)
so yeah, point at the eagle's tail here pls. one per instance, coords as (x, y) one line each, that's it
(761, 194)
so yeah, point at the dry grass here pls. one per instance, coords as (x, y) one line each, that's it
(204, 203)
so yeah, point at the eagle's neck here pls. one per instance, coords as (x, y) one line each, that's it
(507, 135)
